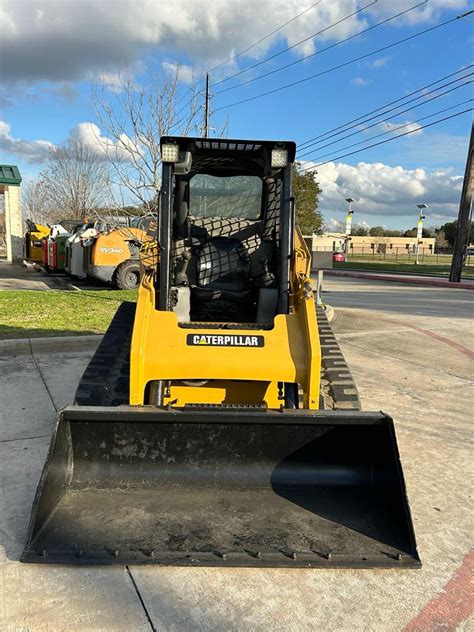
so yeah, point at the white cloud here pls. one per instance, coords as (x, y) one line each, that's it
(427, 13)
(379, 63)
(361, 81)
(383, 190)
(333, 225)
(29, 150)
(113, 81)
(90, 134)
(186, 74)
(69, 41)
(37, 151)
(415, 129)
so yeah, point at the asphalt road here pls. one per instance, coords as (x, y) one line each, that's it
(410, 352)
(396, 299)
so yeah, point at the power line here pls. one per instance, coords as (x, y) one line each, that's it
(227, 61)
(424, 118)
(322, 50)
(285, 50)
(347, 63)
(363, 129)
(276, 55)
(358, 120)
(264, 38)
(446, 118)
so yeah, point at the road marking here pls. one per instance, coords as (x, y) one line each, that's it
(452, 606)
(428, 332)
(448, 341)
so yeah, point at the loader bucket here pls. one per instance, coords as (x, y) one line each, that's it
(135, 485)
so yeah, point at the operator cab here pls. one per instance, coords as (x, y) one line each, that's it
(225, 227)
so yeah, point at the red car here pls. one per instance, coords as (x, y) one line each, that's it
(338, 256)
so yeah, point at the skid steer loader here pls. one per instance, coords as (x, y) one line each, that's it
(200, 434)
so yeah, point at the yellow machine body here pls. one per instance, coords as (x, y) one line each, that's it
(198, 437)
(34, 241)
(208, 374)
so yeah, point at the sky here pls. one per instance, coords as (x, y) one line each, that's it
(53, 53)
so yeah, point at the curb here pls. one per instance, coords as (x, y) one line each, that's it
(329, 311)
(53, 344)
(401, 279)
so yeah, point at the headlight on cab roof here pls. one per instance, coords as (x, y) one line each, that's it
(279, 157)
(170, 153)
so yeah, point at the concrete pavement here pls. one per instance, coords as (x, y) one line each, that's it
(14, 276)
(410, 352)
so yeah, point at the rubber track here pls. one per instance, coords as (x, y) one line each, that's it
(342, 388)
(106, 380)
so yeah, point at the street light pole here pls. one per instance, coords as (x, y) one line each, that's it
(349, 215)
(419, 234)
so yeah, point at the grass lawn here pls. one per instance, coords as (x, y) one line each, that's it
(403, 268)
(31, 313)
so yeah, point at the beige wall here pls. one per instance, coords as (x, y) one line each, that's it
(13, 223)
(357, 244)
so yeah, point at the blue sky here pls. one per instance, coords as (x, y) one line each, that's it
(52, 53)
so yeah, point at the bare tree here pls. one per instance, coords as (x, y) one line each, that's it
(133, 123)
(35, 201)
(76, 181)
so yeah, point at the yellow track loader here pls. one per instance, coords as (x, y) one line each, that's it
(201, 434)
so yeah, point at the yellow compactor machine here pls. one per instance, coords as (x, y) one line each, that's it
(34, 240)
(201, 434)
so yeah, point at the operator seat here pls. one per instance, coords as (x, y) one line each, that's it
(222, 292)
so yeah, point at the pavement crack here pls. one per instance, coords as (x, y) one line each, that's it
(25, 438)
(42, 377)
(145, 609)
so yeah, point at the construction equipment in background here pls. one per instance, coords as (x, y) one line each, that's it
(112, 256)
(205, 430)
(71, 225)
(54, 247)
(74, 258)
(34, 241)
(57, 242)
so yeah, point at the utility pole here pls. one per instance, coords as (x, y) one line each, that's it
(464, 225)
(206, 109)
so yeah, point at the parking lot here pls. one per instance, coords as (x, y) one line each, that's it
(410, 352)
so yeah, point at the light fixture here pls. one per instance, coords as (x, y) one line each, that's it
(170, 153)
(279, 157)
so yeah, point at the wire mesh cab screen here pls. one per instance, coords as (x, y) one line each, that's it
(231, 196)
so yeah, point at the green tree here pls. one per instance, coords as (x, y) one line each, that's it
(377, 231)
(306, 191)
(360, 231)
(441, 241)
(413, 232)
(449, 230)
